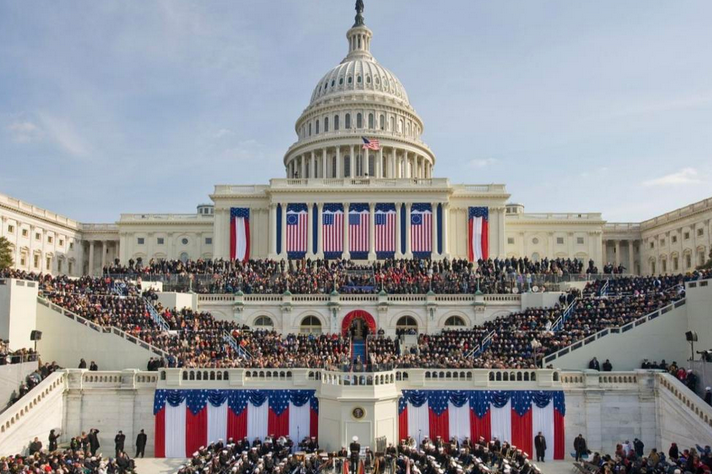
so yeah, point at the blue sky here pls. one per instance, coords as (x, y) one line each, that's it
(577, 106)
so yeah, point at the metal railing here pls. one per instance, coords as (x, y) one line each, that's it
(482, 346)
(241, 351)
(558, 324)
(155, 316)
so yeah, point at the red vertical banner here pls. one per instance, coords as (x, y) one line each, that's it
(480, 426)
(278, 425)
(236, 424)
(196, 430)
(159, 448)
(403, 424)
(522, 436)
(439, 424)
(559, 436)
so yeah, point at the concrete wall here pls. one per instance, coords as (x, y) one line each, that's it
(67, 341)
(679, 423)
(660, 338)
(540, 300)
(35, 414)
(11, 377)
(177, 300)
(18, 309)
(699, 302)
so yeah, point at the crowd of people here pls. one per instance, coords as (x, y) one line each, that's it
(517, 340)
(631, 458)
(33, 379)
(411, 276)
(82, 456)
(18, 356)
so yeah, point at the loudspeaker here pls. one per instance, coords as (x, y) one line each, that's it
(36, 335)
(691, 336)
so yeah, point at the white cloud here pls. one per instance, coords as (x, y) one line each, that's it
(24, 131)
(223, 132)
(482, 163)
(684, 176)
(63, 133)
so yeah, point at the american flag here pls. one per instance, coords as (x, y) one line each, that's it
(421, 230)
(372, 144)
(358, 229)
(332, 230)
(297, 221)
(385, 230)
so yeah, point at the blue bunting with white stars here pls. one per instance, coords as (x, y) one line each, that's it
(237, 400)
(481, 400)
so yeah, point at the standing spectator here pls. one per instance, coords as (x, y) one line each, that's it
(53, 437)
(708, 395)
(82, 364)
(540, 447)
(119, 440)
(35, 446)
(674, 453)
(93, 441)
(607, 366)
(141, 443)
(639, 447)
(93, 367)
(594, 365)
(580, 447)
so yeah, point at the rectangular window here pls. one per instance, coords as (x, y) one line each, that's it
(674, 238)
(59, 266)
(579, 240)
(69, 270)
(11, 229)
(49, 239)
(140, 240)
(23, 261)
(48, 263)
(61, 242)
(664, 265)
(700, 232)
(652, 245)
(687, 236)
(510, 240)
(36, 261)
(71, 245)
(37, 236)
(662, 241)
(560, 240)
(688, 261)
(159, 240)
(208, 241)
(24, 232)
(675, 263)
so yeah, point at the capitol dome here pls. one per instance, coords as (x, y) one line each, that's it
(359, 102)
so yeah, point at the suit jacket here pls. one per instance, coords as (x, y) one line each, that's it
(540, 443)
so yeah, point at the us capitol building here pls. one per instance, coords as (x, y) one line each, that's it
(328, 167)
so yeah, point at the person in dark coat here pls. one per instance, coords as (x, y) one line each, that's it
(53, 437)
(580, 446)
(594, 365)
(93, 441)
(93, 367)
(674, 452)
(354, 450)
(119, 441)
(82, 364)
(540, 446)
(141, 443)
(639, 447)
(708, 395)
(607, 366)
(35, 446)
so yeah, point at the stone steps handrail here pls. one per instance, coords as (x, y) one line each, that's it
(103, 329)
(564, 316)
(686, 397)
(613, 330)
(26, 405)
(155, 315)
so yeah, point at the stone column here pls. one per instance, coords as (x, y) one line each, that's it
(272, 227)
(446, 233)
(320, 228)
(312, 166)
(399, 253)
(323, 163)
(283, 253)
(372, 232)
(393, 163)
(310, 229)
(91, 257)
(618, 252)
(631, 258)
(379, 162)
(353, 160)
(434, 253)
(408, 252)
(605, 255)
(303, 163)
(338, 162)
(347, 252)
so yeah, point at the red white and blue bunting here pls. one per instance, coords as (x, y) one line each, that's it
(515, 416)
(185, 420)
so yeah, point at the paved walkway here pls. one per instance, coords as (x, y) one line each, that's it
(160, 466)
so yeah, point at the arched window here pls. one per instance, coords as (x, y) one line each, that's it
(310, 129)
(454, 321)
(326, 124)
(368, 79)
(347, 121)
(317, 127)
(382, 122)
(336, 122)
(341, 81)
(536, 257)
(358, 79)
(350, 79)
(333, 167)
(359, 120)
(310, 325)
(370, 121)
(393, 124)
(184, 257)
(406, 323)
(371, 165)
(263, 322)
